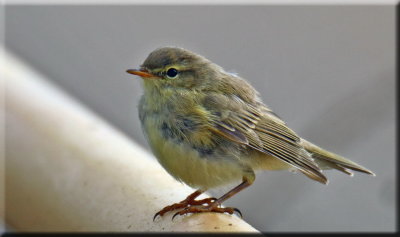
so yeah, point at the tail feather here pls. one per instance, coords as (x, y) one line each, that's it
(332, 160)
(317, 176)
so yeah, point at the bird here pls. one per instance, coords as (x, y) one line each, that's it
(208, 127)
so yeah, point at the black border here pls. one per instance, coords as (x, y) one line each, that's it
(151, 234)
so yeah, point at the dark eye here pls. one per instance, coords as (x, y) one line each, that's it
(172, 73)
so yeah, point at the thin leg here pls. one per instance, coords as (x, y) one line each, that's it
(246, 183)
(214, 207)
(189, 201)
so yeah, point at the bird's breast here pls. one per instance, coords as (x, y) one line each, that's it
(189, 152)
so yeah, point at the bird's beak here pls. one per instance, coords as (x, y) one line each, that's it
(142, 73)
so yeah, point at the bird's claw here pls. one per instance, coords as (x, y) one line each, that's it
(238, 211)
(184, 204)
(212, 208)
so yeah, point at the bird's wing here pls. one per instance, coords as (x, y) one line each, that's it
(256, 126)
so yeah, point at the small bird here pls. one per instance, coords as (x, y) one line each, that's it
(208, 127)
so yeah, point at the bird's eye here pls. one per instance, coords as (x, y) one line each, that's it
(172, 73)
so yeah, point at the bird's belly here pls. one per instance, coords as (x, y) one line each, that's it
(186, 164)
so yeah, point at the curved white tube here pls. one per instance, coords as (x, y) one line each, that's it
(68, 170)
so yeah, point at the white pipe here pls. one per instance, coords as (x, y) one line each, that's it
(68, 170)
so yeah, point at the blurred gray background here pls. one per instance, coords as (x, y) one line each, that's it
(328, 71)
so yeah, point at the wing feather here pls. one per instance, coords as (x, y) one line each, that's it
(256, 126)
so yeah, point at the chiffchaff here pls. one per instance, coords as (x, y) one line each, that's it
(208, 127)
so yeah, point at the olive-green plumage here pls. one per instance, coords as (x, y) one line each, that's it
(208, 127)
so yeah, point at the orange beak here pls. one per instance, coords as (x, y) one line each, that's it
(141, 72)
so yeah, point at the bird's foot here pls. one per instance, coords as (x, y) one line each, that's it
(188, 202)
(209, 208)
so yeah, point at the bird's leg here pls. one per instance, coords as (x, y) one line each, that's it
(189, 201)
(215, 206)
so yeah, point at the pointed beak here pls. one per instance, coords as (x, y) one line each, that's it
(142, 73)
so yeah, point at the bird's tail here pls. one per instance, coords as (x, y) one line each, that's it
(329, 160)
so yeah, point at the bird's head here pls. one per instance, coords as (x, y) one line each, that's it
(172, 67)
